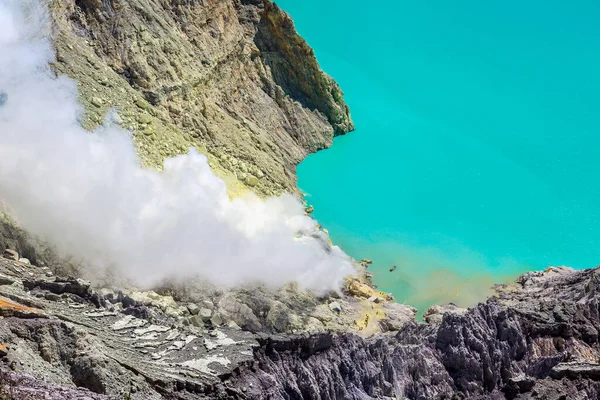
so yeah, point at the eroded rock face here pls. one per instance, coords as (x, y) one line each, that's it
(15, 239)
(230, 77)
(435, 314)
(63, 335)
(147, 345)
(537, 339)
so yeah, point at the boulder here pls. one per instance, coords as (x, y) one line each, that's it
(575, 369)
(216, 320)
(234, 310)
(251, 180)
(359, 289)
(376, 299)
(77, 286)
(280, 318)
(176, 312)
(335, 307)
(144, 118)
(9, 308)
(193, 309)
(154, 299)
(97, 101)
(233, 325)
(6, 280)
(208, 304)
(205, 314)
(11, 255)
(397, 316)
(435, 314)
(196, 320)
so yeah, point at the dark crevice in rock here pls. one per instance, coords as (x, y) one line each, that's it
(295, 68)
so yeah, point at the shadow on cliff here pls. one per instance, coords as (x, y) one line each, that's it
(296, 70)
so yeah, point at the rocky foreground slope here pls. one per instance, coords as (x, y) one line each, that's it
(62, 339)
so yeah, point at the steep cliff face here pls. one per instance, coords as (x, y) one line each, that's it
(232, 78)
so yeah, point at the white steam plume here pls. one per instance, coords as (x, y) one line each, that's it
(87, 194)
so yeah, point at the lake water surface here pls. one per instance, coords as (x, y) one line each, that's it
(477, 148)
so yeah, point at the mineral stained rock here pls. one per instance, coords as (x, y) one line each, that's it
(232, 78)
(536, 339)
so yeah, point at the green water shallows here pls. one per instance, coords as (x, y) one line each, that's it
(476, 151)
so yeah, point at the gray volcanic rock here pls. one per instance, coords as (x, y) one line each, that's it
(536, 339)
(38, 252)
(27, 387)
(82, 338)
(143, 345)
(435, 314)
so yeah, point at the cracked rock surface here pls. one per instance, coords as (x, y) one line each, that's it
(536, 339)
(231, 78)
(63, 331)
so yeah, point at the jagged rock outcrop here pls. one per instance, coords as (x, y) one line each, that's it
(232, 78)
(536, 339)
(38, 252)
(141, 344)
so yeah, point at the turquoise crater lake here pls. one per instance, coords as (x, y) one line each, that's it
(477, 148)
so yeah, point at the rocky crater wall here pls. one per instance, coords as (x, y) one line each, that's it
(232, 78)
